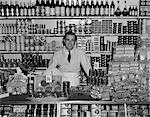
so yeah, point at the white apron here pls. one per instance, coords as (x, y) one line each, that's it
(72, 77)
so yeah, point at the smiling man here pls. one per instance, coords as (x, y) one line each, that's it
(69, 60)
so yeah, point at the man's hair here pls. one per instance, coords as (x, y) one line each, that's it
(69, 33)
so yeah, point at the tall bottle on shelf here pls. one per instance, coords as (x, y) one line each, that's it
(135, 11)
(6, 9)
(33, 9)
(43, 5)
(72, 8)
(118, 11)
(37, 6)
(77, 8)
(17, 9)
(112, 8)
(11, 10)
(52, 8)
(25, 10)
(97, 8)
(29, 8)
(57, 8)
(92, 8)
(62, 8)
(47, 8)
(82, 8)
(106, 9)
(125, 11)
(102, 9)
(67, 9)
(21, 9)
(87, 8)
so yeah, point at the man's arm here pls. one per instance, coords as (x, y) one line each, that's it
(52, 64)
(85, 62)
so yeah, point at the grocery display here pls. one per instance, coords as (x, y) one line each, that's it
(114, 35)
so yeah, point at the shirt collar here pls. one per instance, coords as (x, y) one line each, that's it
(66, 51)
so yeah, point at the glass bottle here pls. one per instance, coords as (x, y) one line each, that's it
(52, 8)
(43, 8)
(25, 10)
(77, 12)
(72, 9)
(67, 9)
(102, 8)
(33, 10)
(118, 11)
(106, 9)
(2, 9)
(47, 8)
(21, 9)
(29, 8)
(57, 8)
(92, 8)
(11, 11)
(37, 6)
(62, 8)
(97, 6)
(82, 8)
(125, 11)
(6, 9)
(87, 8)
(135, 11)
(17, 9)
(112, 8)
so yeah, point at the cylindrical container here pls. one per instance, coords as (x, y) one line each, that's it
(66, 88)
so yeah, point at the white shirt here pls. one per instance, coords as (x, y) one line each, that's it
(78, 57)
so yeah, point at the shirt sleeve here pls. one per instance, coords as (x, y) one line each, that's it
(85, 62)
(52, 64)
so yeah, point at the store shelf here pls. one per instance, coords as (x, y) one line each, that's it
(20, 52)
(61, 35)
(69, 17)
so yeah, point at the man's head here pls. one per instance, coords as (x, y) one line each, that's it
(69, 40)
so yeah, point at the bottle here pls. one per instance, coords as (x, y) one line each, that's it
(118, 11)
(6, 9)
(52, 8)
(135, 11)
(77, 8)
(102, 9)
(72, 8)
(87, 8)
(57, 8)
(11, 11)
(2, 9)
(47, 8)
(97, 10)
(25, 10)
(33, 9)
(112, 8)
(37, 7)
(21, 9)
(17, 10)
(131, 10)
(29, 9)
(92, 8)
(125, 11)
(43, 8)
(106, 9)
(62, 8)
(67, 9)
(82, 8)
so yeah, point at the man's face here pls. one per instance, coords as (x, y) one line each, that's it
(69, 42)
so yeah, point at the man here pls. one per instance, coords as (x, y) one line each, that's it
(69, 60)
